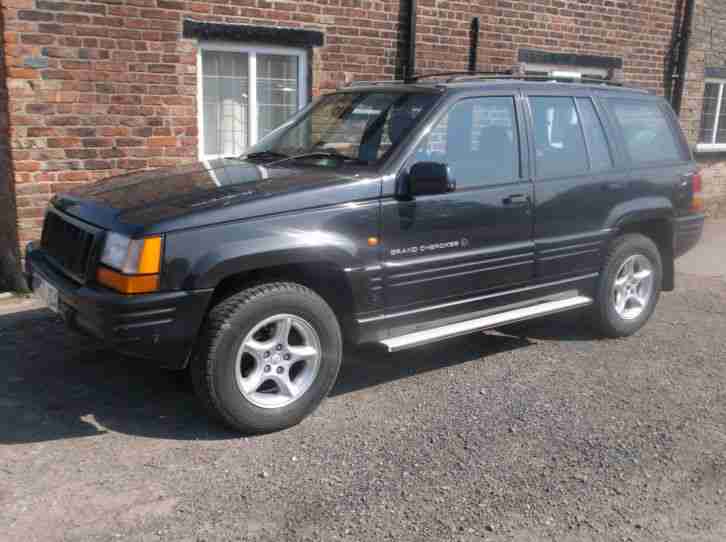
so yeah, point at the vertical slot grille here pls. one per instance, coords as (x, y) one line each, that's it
(67, 244)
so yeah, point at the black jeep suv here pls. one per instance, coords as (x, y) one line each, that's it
(393, 213)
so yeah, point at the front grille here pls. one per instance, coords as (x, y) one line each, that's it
(67, 244)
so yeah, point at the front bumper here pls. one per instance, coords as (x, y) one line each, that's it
(687, 231)
(160, 327)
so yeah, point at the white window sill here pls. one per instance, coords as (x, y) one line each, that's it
(711, 147)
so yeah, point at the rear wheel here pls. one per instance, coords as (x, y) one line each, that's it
(268, 356)
(629, 286)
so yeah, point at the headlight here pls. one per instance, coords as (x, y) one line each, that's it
(130, 266)
(115, 250)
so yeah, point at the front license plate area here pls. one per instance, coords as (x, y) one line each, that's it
(45, 292)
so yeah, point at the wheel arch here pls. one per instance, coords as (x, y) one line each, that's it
(659, 228)
(326, 278)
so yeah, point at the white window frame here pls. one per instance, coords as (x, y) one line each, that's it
(252, 50)
(713, 146)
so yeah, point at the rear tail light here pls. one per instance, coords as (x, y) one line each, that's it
(697, 189)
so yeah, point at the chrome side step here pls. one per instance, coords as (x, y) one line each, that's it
(419, 338)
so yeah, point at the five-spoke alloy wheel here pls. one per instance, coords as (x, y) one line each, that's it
(278, 361)
(629, 287)
(267, 357)
(633, 287)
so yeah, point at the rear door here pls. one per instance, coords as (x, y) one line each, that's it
(578, 183)
(442, 249)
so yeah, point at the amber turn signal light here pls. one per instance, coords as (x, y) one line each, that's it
(697, 203)
(127, 284)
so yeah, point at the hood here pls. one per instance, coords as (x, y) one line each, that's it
(208, 192)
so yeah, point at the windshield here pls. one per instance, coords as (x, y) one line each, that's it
(363, 127)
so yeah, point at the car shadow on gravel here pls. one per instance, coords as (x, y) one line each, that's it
(55, 384)
(570, 326)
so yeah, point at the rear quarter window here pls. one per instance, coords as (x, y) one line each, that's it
(649, 136)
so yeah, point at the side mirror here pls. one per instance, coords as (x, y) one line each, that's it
(426, 178)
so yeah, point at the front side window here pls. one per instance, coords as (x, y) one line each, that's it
(558, 137)
(648, 135)
(245, 93)
(348, 126)
(713, 115)
(478, 140)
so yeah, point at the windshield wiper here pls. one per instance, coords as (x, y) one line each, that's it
(322, 154)
(265, 155)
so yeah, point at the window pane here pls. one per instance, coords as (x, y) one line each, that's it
(600, 159)
(224, 93)
(558, 138)
(708, 117)
(648, 134)
(478, 140)
(277, 90)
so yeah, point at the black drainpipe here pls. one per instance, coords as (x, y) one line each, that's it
(410, 68)
(684, 40)
(473, 43)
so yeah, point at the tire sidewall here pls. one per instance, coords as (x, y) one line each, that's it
(240, 323)
(629, 246)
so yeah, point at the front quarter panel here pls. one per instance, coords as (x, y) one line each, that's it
(203, 257)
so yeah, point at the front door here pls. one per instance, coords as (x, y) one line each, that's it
(440, 251)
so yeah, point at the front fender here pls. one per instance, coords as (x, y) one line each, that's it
(202, 258)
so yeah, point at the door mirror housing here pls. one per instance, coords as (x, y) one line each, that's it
(428, 178)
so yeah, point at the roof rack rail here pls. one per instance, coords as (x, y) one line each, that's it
(458, 73)
(373, 82)
(463, 76)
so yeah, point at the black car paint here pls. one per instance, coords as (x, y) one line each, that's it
(227, 217)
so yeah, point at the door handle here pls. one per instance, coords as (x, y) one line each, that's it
(516, 199)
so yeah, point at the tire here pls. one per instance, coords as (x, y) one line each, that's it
(610, 316)
(239, 348)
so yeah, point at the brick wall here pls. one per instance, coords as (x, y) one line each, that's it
(638, 32)
(708, 50)
(100, 87)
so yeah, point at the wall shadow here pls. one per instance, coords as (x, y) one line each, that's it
(10, 275)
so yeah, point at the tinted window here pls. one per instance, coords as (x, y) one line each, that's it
(600, 159)
(478, 140)
(648, 134)
(558, 139)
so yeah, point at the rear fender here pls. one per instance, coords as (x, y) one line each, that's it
(654, 218)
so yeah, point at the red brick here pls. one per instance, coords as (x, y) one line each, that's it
(63, 142)
(162, 141)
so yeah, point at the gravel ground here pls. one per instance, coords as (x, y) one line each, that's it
(551, 435)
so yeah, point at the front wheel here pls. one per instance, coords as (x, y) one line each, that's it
(629, 286)
(267, 358)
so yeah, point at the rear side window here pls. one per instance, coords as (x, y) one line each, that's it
(648, 135)
(559, 143)
(600, 159)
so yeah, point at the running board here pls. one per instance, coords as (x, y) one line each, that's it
(419, 338)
